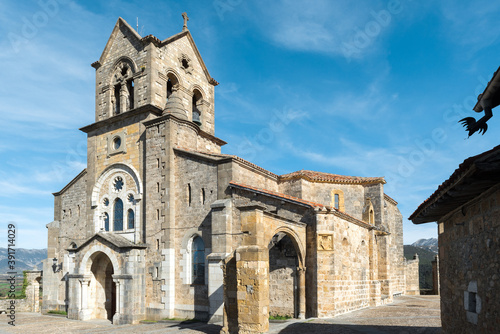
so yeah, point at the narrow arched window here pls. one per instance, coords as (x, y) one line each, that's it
(189, 194)
(169, 88)
(130, 88)
(116, 100)
(196, 107)
(118, 215)
(130, 218)
(336, 202)
(106, 221)
(198, 260)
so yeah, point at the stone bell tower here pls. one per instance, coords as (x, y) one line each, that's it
(134, 72)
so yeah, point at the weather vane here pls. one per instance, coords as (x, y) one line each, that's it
(470, 123)
(486, 101)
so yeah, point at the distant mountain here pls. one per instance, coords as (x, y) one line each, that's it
(26, 259)
(430, 244)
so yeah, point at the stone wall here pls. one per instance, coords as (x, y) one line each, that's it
(31, 303)
(343, 266)
(469, 253)
(354, 195)
(412, 276)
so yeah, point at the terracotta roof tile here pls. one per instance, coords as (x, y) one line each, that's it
(330, 178)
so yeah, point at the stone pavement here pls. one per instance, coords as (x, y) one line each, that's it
(407, 315)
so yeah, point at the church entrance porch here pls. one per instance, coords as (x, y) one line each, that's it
(107, 280)
(265, 275)
(102, 289)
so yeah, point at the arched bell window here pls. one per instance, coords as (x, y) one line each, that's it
(196, 107)
(118, 215)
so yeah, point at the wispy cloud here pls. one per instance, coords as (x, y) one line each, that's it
(471, 23)
(345, 28)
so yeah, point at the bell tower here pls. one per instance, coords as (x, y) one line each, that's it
(170, 75)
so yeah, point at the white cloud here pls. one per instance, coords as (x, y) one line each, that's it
(345, 28)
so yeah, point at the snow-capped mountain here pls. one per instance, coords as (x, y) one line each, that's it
(430, 244)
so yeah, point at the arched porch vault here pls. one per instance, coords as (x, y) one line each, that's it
(251, 261)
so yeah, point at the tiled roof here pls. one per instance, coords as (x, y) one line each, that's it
(390, 199)
(310, 204)
(330, 178)
(309, 175)
(473, 176)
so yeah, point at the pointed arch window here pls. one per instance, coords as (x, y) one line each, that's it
(130, 219)
(198, 260)
(118, 215)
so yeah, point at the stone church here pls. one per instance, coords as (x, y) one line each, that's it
(161, 224)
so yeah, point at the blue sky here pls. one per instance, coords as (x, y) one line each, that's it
(365, 88)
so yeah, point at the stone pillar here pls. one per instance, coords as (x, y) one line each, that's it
(221, 247)
(168, 274)
(302, 292)
(435, 276)
(85, 313)
(252, 273)
(118, 295)
(78, 297)
(124, 98)
(125, 312)
(252, 266)
(215, 287)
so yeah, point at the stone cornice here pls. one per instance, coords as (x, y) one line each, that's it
(199, 131)
(120, 117)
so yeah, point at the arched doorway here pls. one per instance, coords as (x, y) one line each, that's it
(102, 289)
(283, 277)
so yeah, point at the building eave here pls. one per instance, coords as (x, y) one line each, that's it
(474, 176)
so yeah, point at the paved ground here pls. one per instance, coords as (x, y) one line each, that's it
(408, 314)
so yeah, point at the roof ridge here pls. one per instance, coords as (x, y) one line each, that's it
(315, 176)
